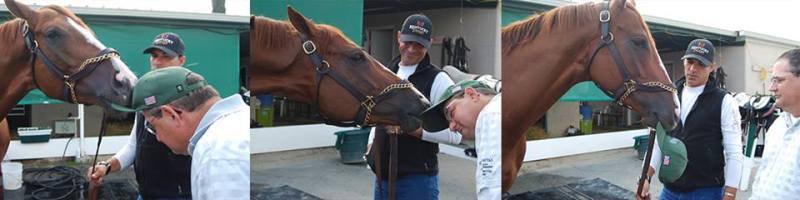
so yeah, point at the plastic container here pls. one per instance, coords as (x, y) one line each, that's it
(352, 145)
(640, 145)
(12, 175)
(33, 134)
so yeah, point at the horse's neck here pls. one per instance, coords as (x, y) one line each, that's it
(16, 78)
(277, 66)
(542, 72)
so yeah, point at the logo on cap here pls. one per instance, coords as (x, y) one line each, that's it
(419, 28)
(700, 48)
(163, 41)
(150, 100)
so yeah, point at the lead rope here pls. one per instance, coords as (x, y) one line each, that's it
(93, 190)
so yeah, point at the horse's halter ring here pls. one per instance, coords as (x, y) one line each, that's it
(367, 102)
(87, 67)
(629, 85)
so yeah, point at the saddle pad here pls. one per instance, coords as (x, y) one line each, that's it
(596, 189)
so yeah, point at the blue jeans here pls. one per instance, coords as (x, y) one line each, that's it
(709, 193)
(414, 187)
(140, 198)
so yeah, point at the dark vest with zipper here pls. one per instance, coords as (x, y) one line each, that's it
(414, 156)
(159, 172)
(702, 134)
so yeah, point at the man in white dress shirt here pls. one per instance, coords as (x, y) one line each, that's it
(778, 175)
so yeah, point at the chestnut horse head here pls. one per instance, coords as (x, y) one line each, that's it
(55, 51)
(317, 64)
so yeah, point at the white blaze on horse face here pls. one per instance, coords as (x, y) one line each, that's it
(124, 71)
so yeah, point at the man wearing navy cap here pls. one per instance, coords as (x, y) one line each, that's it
(710, 129)
(417, 161)
(160, 173)
(167, 50)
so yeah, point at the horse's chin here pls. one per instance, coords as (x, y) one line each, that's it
(653, 119)
(410, 124)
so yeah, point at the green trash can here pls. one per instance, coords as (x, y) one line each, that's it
(640, 145)
(352, 145)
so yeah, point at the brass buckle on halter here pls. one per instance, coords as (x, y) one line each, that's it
(309, 47)
(605, 16)
(324, 67)
(25, 28)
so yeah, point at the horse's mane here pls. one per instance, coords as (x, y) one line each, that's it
(273, 33)
(561, 18)
(11, 29)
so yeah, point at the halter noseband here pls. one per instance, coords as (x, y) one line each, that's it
(629, 85)
(367, 102)
(87, 67)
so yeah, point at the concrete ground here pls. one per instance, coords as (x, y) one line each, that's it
(620, 167)
(319, 173)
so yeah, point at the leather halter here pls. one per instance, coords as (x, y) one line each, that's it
(367, 102)
(629, 85)
(87, 67)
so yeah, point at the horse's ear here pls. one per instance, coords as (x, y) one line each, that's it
(622, 4)
(252, 21)
(300, 22)
(20, 10)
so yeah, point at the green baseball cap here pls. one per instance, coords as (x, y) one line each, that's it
(160, 87)
(433, 118)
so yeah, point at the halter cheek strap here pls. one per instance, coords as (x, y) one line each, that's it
(367, 102)
(629, 85)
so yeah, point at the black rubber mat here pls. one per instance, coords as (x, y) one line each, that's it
(594, 189)
(281, 192)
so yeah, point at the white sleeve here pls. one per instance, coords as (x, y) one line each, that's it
(487, 144)
(655, 160)
(731, 141)
(440, 84)
(444, 136)
(127, 153)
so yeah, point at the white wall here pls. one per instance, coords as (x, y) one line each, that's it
(560, 116)
(44, 116)
(760, 54)
(480, 29)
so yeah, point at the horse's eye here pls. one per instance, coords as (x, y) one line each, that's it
(640, 42)
(52, 34)
(357, 57)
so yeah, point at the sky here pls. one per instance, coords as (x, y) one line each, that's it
(778, 18)
(233, 7)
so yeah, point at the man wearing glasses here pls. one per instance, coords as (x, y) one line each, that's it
(190, 118)
(159, 172)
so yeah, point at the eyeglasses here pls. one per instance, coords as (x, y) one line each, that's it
(150, 128)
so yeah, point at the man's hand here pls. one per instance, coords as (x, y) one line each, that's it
(729, 194)
(394, 130)
(417, 133)
(99, 172)
(645, 195)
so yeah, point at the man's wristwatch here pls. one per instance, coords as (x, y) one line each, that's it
(107, 164)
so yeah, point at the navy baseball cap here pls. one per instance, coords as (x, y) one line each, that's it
(702, 50)
(169, 43)
(417, 28)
